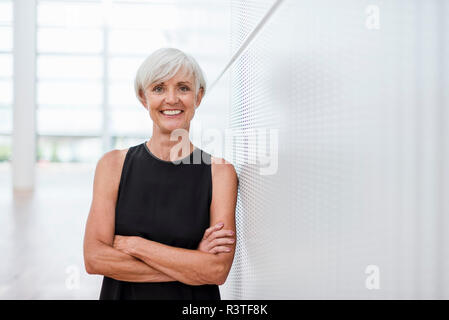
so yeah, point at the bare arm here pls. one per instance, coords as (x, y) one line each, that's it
(191, 267)
(194, 267)
(120, 266)
(222, 209)
(99, 255)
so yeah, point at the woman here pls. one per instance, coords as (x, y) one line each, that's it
(161, 224)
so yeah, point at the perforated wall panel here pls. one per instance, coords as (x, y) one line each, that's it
(351, 208)
(245, 14)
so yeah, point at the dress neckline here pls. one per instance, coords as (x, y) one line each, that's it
(165, 161)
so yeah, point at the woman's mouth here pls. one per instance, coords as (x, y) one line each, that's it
(172, 113)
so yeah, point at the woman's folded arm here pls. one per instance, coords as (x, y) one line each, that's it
(103, 259)
(99, 255)
(191, 267)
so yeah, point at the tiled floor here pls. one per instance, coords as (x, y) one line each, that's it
(41, 238)
(41, 235)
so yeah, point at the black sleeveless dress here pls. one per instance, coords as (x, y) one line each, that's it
(165, 202)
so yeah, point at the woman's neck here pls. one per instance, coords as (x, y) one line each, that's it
(162, 147)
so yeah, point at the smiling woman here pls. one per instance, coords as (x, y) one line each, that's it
(159, 229)
(170, 85)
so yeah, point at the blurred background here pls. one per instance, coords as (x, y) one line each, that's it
(356, 94)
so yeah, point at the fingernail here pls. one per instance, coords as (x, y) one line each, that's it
(221, 224)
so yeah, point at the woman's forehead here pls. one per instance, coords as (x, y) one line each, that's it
(178, 82)
(180, 77)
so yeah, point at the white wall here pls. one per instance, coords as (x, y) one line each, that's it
(362, 167)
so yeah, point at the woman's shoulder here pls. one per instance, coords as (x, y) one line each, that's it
(108, 171)
(222, 168)
(115, 155)
(113, 160)
(217, 160)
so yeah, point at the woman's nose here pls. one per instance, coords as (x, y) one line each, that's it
(171, 96)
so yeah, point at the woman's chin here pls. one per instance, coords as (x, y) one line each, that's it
(169, 127)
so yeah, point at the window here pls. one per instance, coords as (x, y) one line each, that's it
(6, 79)
(87, 55)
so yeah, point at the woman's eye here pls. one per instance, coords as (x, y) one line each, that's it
(157, 89)
(184, 88)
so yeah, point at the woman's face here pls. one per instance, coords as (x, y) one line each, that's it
(177, 93)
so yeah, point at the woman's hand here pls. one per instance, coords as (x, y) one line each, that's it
(123, 243)
(214, 239)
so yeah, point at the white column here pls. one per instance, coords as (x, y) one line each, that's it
(24, 112)
(429, 151)
(107, 133)
(444, 223)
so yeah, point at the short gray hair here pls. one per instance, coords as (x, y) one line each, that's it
(162, 65)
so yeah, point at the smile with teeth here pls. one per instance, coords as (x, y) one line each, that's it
(171, 112)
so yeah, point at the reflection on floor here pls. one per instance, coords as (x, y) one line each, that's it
(41, 238)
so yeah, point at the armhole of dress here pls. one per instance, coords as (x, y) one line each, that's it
(123, 173)
(210, 180)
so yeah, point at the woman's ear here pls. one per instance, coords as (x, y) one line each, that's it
(143, 99)
(199, 96)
